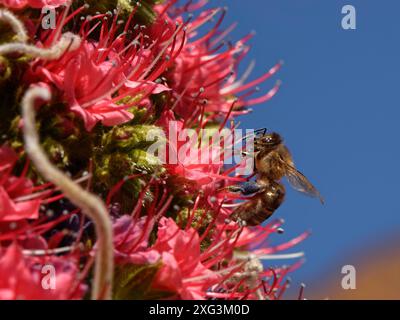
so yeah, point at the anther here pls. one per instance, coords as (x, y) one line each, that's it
(50, 213)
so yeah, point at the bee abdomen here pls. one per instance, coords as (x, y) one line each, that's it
(261, 206)
(259, 217)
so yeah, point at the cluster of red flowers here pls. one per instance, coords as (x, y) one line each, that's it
(112, 76)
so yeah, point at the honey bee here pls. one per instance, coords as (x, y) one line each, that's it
(272, 161)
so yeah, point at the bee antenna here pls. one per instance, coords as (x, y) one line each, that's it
(263, 130)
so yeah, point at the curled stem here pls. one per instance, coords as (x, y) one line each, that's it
(91, 205)
(68, 41)
(17, 26)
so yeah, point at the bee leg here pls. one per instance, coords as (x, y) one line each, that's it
(238, 220)
(245, 153)
(241, 222)
(247, 188)
(235, 188)
(249, 154)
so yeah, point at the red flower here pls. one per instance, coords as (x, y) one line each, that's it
(116, 70)
(19, 4)
(204, 78)
(24, 277)
(182, 271)
(131, 241)
(13, 190)
(201, 164)
(95, 78)
(81, 80)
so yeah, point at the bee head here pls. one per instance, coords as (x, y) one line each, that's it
(270, 141)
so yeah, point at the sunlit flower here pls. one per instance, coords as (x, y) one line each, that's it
(96, 79)
(187, 159)
(181, 262)
(204, 78)
(167, 226)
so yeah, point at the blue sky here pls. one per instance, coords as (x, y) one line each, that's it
(338, 110)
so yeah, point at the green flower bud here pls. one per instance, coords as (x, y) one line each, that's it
(56, 152)
(144, 161)
(131, 137)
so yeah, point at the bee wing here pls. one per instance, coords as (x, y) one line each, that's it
(299, 182)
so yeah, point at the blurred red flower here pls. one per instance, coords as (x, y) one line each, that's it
(14, 205)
